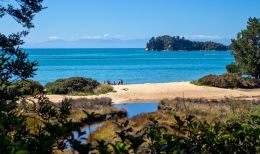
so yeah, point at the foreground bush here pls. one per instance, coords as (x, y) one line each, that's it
(26, 87)
(228, 81)
(72, 85)
(185, 135)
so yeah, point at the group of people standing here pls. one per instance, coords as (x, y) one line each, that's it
(119, 82)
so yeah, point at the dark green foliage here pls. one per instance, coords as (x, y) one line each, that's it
(135, 141)
(228, 81)
(176, 43)
(13, 60)
(103, 147)
(154, 132)
(91, 118)
(82, 148)
(72, 85)
(233, 68)
(51, 128)
(246, 48)
(185, 135)
(201, 137)
(14, 135)
(23, 15)
(128, 142)
(26, 87)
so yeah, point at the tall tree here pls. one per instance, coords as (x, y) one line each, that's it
(51, 128)
(246, 49)
(14, 65)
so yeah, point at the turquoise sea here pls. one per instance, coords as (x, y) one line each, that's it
(130, 65)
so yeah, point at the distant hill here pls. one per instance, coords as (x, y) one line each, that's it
(177, 43)
(89, 43)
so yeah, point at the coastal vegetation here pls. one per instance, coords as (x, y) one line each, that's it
(77, 86)
(72, 85)
(246, 50)
(228, 81)
(185, 125)
(16, 134)
(38, 126)
(26, 87)
(102, 107)
(177, 43)
(245, 71)
(79, 110)
(42, 127)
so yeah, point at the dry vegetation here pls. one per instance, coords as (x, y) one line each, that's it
(207, 109)
(211, 110)
(101, 106)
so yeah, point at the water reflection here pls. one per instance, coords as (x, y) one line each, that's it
(133, 109)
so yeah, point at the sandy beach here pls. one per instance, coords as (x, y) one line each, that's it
(154, 92)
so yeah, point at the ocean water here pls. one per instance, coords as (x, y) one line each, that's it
(130, 65)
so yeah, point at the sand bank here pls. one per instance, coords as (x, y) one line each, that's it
(154, 92)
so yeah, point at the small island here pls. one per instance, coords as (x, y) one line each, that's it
(177, 43)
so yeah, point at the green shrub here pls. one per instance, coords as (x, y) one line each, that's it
(26, 87)
(186, 134)
(222, 81)
(104, 88)
(228, 81)
(72, 85)
(233, 68)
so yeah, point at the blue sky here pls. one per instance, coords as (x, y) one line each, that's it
(135, 19)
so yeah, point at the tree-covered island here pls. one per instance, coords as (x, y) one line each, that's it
(177, 43)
